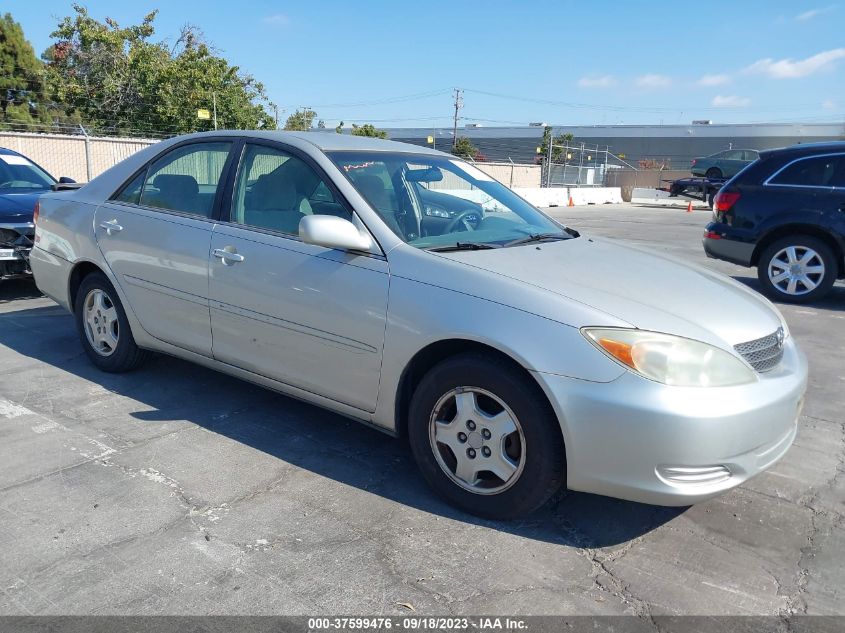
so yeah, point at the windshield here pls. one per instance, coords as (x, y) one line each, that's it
(434, 201)
(18, 174)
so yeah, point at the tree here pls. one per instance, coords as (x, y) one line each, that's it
(339, 128)
(559, 143)
(22, 98)
(368, 129)
(117, 79)
(321, 125)
(301, 120)
(464, 148)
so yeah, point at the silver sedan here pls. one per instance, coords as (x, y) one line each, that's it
(407, 289)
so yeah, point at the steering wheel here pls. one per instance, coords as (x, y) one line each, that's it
(461, 217)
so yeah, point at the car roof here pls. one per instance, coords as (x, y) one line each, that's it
(325, 141)
(7, 151)
(801, 149)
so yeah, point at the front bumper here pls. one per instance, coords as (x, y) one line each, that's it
(15, 247)
(639, 440)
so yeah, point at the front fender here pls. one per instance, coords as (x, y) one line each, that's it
(536, 343)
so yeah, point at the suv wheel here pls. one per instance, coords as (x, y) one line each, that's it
(485, 438)
(797, 269)
(103, 328)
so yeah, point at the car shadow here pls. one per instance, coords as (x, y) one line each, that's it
(14, 288)
(834, 301)
(310, 437)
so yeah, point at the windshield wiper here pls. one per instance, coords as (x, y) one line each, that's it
(462, 246)
(538, 237)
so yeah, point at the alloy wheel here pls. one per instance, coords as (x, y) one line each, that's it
(796, 270)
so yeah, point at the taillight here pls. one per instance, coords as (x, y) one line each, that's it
(724, 200)
(711, 235)
(36, 211)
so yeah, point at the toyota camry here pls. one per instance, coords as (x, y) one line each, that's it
(407, 289)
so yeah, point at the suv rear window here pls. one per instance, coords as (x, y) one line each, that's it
(816, 171)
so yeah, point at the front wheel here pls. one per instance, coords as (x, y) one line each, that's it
(797, 269)
(714, 173)
(103, 328)
(485, 438)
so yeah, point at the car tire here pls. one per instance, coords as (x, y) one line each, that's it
(103, 327)
(819, 267)
(531, 456)
(713, 173)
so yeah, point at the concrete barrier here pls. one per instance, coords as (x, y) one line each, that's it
(559, 196)
(548, 196)
(660, 198)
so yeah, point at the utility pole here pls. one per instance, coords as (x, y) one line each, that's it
(214, 104)
(459, 103)
(276, 109)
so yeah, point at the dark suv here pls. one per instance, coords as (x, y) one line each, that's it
(785, 214)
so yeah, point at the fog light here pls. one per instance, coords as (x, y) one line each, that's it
(693, 475)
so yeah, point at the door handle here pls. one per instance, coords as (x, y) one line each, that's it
(228, 257)
(111, 227)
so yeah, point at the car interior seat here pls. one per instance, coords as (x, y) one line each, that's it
(275, 204)
(372, 188)
(179, 192)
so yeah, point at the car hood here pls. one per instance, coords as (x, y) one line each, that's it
(18, 207)
(647, 290)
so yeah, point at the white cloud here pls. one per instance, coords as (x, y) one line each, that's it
(713, 80)
(730, 101)
(829, 104)
(604, 81)
(792, 69)
(279, 19)
(812, 13)
(653, 81)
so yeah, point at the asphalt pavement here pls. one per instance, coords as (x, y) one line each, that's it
(179, 490)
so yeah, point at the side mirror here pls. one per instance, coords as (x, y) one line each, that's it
(333, 232)
(64, 180)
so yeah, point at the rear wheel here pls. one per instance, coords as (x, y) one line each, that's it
(713, 173)
(485, 438)
(797, 269)
(103, 328)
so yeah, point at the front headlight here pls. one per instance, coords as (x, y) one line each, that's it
(671, 360)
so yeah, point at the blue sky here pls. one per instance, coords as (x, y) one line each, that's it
(563, 62)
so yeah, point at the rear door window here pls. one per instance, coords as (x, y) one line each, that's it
(818, 171)
(186, 179)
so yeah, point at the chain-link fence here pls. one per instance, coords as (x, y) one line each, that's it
(81, 156)
(78, 156)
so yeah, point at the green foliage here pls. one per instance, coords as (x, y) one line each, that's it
(301, 120)
(117, 79)
(22, 98)
(339, 128)
(464, 148)
(558, 144)
(368, 129)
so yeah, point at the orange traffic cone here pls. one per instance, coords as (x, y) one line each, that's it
(571, 204)
(689, 206)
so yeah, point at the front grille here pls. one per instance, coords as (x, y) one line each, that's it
(8, 237)
(12, 237)
(764, 353)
